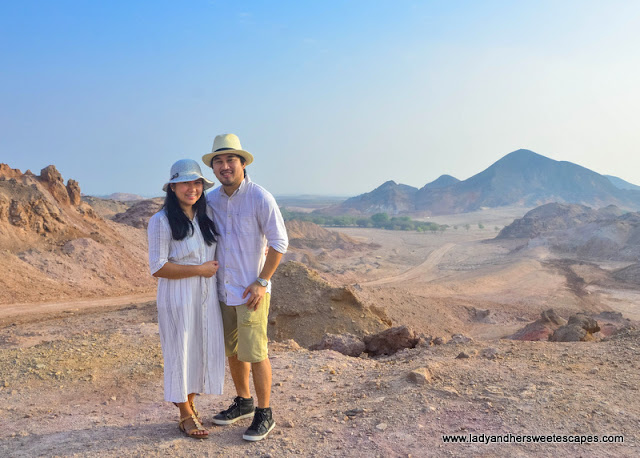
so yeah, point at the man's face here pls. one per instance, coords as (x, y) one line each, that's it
(228, 169)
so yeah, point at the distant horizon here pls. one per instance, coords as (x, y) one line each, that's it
(343, 197)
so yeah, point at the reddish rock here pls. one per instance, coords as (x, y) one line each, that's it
(390, 341)
(347, 344)
(542, 328)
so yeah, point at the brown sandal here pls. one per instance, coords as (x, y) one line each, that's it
(197, 426)
(193, 409)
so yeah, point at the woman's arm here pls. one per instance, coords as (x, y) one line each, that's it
(177, 271)
(159, 236)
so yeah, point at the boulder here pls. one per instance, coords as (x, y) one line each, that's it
(580, 328)
(420, 376)
(347, 344)
(390, 341)
(542, 328)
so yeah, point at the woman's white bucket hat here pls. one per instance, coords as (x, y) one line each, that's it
(227, 144)
(186, 170)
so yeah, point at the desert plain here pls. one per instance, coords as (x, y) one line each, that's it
(81, 363)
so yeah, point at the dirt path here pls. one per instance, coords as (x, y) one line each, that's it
(39, 308)
(421, 271)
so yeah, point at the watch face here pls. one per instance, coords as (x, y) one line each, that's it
(263, 282)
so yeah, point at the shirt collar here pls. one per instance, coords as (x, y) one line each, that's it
(240, 189)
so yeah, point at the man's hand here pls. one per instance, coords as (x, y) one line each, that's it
(256, 292)
(209, 269)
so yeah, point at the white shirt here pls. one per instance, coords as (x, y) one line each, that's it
(247, 221)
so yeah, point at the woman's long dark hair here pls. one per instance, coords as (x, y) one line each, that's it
(181, 225)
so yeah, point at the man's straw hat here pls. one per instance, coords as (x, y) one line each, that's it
(227, 144)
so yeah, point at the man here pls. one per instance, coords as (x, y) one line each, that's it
(248, 219)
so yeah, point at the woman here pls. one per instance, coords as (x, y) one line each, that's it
(182, 245)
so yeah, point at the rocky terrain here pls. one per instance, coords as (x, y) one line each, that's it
(55, 246)
(448, 334)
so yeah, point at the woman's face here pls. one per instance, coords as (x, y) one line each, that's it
(187, 192)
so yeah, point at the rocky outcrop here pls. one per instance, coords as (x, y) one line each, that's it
(580, 327)
(73, 190)
(32, 206)
(542, 328)
(7, 172)
(55, 184)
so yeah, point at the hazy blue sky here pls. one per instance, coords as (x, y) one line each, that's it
(332, 97)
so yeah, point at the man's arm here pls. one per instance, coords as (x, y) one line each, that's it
(255, 291)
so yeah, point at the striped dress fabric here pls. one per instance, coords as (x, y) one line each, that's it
(188, 314)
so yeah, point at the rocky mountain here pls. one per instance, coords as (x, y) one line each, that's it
(622, 184)
(389, 197)
(521, 178)
(528, 179)
(442, 182)
(55, 246)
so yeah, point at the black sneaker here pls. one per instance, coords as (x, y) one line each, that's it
(241, 408)
(261, 426)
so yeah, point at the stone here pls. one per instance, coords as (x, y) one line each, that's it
(347, 344)
(489, 353)
(390, 341)
(458, 339)
(585, 322)
(542, 328)
(420, 376)
(579, 328)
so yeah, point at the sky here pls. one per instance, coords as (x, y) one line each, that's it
(331, 97)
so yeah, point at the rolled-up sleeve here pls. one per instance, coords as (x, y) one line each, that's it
(272, 224)
(159, 237)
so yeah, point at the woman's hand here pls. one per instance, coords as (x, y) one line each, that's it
(209, 269)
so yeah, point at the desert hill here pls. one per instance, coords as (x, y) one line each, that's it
(522, 178)
(138, 214)
(106, 208)
(389, 197)
(55, 246)
(579, 231)
(124, 197)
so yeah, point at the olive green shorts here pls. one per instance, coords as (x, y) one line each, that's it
(245, 331)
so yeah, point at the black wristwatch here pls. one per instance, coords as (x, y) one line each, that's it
(263, 282)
